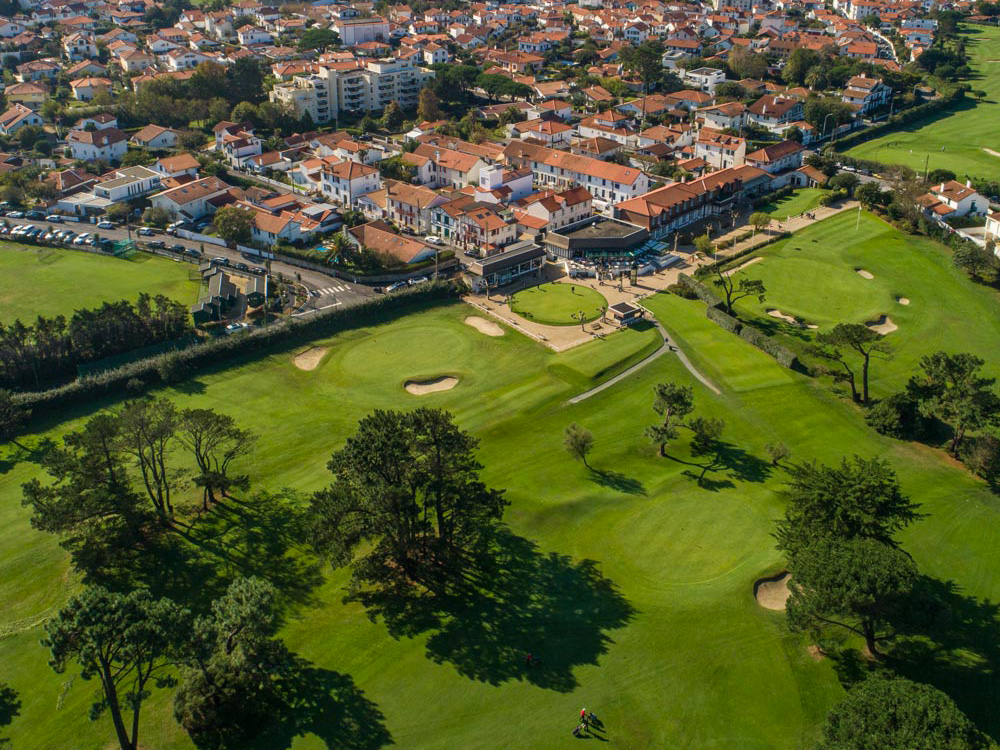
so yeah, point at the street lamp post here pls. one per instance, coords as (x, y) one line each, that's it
(828, 116)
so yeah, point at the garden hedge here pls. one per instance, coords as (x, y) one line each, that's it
(288, 333)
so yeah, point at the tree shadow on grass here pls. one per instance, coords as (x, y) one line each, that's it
(328, 705)
(505, 604)
(952, 641)
(727, 459)
(17, 453)
(615, 480)
(191, 387)
(195, 562)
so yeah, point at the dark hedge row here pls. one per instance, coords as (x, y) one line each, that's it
(172, 366)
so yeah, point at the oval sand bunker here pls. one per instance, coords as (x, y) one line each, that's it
(902, 300)
(484, 326)
(423, 387)
(865, 274)
(773, 592)
(310, 358)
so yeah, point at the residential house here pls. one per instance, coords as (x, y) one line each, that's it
(953, 199)
(777, 158)
(775, 113)
(720, 150)
(192, 200)
(155, 137)
(31, 95)
(346, 181)
(109, 144)
(378, 236)
(450, 168)
(127, 183)
(866, 94)
(178, 167)
(409, 206)
(85, 89)
(17, 117)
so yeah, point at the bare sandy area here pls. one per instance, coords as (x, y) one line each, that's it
(883, 324)
(781, 316)
(423, 387)
(789, 319)
(773, 592)
(865, 274)
(310, 358)
(484, 326)
(741, 266)
(902, 300)
(990, 151)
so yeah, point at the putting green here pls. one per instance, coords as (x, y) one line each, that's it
(556, 304)
(800, 201)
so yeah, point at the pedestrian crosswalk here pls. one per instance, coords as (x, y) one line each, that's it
(327, 290)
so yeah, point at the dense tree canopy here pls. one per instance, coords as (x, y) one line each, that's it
(892, 713)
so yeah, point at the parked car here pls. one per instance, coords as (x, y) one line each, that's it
(221, 261)
(146, 232)
(54, 218)
(82, 238)
(192, 252)
(397, 285)
(157, 244)
(258, 270)
(418, 280)
(241, 266)
(16, 214)
(236, 327)
(36, 215)
(433, 240)
(177, 247)
(105, 224)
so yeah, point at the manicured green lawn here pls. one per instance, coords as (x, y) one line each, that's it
(643, 611)
(554, 304)
(800, 201)
(942, 304)
(954, 140)
(49, 281)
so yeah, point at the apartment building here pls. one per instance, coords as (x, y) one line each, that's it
(353, 86)
(607, 182)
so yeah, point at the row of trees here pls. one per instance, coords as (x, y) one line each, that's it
(113, 481)
(51, 348)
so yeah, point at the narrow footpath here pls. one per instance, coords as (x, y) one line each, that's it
(665, 346)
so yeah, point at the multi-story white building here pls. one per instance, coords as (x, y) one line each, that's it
(347, 181)
(607, 182)
(354, 31)
(353, 87)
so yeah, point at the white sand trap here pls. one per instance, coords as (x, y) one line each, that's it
(484, 326)
(990, 151)
(773, 592)
(882, 325)
(902, 300)
(423, 387)
(741, 266)
(865, 274)
(781, 316)
(812, 326)
(310, 358)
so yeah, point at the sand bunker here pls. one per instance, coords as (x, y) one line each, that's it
(782, 316)
(310, 358)
(902, 300)
(484, 326)
(773, 592)
(990, 151)
(865, 274)
(741, 266)
(789, 319)
(423, 387)
(882, 325)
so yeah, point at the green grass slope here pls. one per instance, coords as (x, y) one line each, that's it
(954, 140)
(49, 281)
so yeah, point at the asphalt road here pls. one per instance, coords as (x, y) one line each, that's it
(324, 290)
